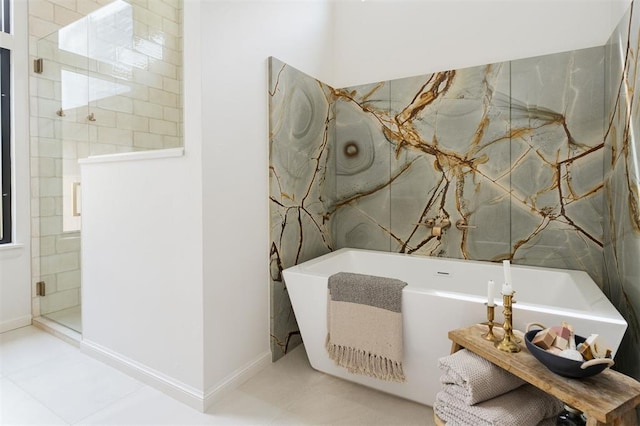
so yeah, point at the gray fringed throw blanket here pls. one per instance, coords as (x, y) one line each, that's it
(365, 325)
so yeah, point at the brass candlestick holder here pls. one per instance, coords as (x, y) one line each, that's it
(490, 315)
(509, 341)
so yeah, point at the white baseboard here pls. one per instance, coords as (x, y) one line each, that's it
(232, 381)
(60, 331)
(182, 392)
(12, 324)
(174, 388)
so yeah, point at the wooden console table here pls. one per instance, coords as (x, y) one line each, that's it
(608, 398)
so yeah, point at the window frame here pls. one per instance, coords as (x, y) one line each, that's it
(6, 236)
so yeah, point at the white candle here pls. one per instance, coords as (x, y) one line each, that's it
(507, 289)
(506, 266)
(491, 289)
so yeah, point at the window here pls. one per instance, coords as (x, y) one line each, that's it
(6, 16)
(5, 129)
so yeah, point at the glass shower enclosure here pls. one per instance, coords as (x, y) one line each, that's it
(110, 82)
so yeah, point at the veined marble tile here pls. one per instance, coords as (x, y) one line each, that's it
(622, 186)
(302, 185)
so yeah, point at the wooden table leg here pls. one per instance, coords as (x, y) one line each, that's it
(455, 347)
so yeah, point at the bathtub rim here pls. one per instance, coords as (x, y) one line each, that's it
(607, 313)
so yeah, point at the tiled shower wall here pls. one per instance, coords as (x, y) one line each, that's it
(514, 150)
(120, 61)
(622, 185)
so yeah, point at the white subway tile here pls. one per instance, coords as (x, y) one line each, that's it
(164, 9)
(48, 147)
(59, 263)
(172, 142)
(172, 85)
(46, 127)
(147, 17)
(147, 109)
(69, 4)
(140, 3)
(51, 284)
(45, 89)
(147, 78)
(59, 206)
(162, 68)
(103, 148)
(51, 225)
(147, 140)
(85, 7)
(67, 244)
(59, 300)
(63, 16)
(172, 27)
(161, 97)
(47, 245)
(50, 187)
(116, 103)
(42, 9)
(104, 117)
(115, 136)
(69, 149)
(82, 151)
(72, 131)
(46, 167)
(35, 189)
(172, 56)
(139, 92)
(172, 114)
(40, 28)
(68, 280)
(162, 127)
(47, 206)
(132, 122)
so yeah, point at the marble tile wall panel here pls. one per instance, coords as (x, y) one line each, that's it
(514, 149)
(437, 132)
(302, 185)
(557, 122)
(622, 185)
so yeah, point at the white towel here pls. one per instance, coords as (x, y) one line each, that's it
(473, 379)
(525, 406)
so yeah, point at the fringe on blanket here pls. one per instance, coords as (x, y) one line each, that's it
(358, 361)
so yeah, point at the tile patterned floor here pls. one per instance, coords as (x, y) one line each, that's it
(45, 381)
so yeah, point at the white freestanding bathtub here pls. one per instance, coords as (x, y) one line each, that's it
(442, 295)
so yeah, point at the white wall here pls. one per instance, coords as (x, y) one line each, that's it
(237, 39)
(142, 268)
(381, 40)
(142, 259)
(15, 264)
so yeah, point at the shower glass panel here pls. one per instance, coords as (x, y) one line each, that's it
(62, 137)
(135, 87)
(110, 83)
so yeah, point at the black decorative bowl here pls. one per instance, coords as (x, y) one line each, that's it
(563, 366)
